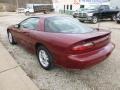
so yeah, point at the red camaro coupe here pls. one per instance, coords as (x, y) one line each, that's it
(62, 40)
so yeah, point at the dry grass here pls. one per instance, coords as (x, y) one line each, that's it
(7, 7)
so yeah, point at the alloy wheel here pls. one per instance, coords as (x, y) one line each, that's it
(95, 20)
(44, 58)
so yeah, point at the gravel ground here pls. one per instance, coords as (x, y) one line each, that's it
(104, 76)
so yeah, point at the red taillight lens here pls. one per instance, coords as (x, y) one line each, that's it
(83, 47)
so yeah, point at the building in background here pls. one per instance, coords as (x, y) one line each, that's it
(115, 3)
(73, 5)
(86, 3)
(66, 5)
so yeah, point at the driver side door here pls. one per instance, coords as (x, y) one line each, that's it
(104, 12)
(25, 28)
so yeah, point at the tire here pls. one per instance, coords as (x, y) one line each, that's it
(45, 58)
(11, 39)
(74, 16)
(27, 13)
(118, 22)
(45, 12)
(94, 19)
(113, 18)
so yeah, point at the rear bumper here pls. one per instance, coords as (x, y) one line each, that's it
(89, 59)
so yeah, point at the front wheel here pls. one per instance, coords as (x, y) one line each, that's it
(113, 18)
(45, 58)
(11, 39)
(94, 19)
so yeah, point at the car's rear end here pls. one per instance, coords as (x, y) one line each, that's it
(91, 50)
(77, 45)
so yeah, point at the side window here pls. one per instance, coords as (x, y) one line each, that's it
(106, 7)
(102, 7)
(67, 7)
(82, 6)
(49, 27)
(70, 7)
(30, 23)
(64, 7)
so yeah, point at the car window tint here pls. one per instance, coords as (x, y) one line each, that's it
(49, 27)
(65, 25)
(103, 7)
(30, 23)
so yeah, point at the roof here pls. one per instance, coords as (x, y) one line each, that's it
(49, 15)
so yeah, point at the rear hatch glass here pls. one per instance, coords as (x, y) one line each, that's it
(66, 25)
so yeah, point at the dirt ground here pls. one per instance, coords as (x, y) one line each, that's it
(104, 76)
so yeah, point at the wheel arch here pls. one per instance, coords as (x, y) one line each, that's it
(95, 14)
(38, 44)
(51, 62)
(41, 44)
(8, 30)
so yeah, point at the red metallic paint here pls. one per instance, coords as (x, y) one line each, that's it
(61, 45)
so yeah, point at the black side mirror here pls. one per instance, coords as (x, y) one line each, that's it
(17, 26)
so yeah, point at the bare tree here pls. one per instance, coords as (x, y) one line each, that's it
(21, 3)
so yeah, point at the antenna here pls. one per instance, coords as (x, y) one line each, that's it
(99, 16)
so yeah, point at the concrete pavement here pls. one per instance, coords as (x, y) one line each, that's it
(12, 77)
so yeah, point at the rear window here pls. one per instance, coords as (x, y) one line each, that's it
(65, 25)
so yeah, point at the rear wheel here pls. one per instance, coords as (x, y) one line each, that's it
(27, 13)
(11, 39)
(45, 12)
(45, 58)
(94, 19)
(118, 22)
(74, 16)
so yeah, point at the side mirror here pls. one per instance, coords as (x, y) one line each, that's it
(17, 26)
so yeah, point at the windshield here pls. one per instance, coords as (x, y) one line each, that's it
(90, 7)
(65, 25)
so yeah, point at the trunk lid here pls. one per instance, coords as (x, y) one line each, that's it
(99, 40)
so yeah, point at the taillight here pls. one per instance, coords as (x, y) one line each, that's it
(83, 47)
